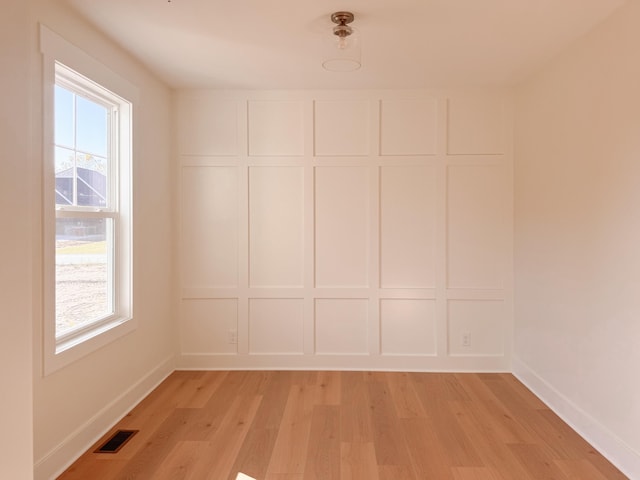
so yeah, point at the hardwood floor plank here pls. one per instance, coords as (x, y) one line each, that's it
(538, 462)
(202, 388)
(474, 473)
(388, 439)
(580, 469)
(490, 412)
(405, 399)
(227, 440)
(429, 458)
(142, 464)
(153, 411)
(605, 467)
(255, 383)
(358, 461)
(329, 388)
(452, 436)
(355, 420)
(101, 469)
(290, 451)
(579, 446)
(323, 451)
(523, 392)
(255, 453)
(396, 472)
(181, 461)
(205, 422)
(489, 446)
(548, 430)
(275, 395)
(284, 476)
(440, 386)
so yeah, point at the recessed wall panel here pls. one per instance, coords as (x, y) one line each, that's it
(408, 226)
(480, 322)
(408, 327)
(206, 324)
(476, 126)
(341, 326)
(276, 128)
(341, 128)
(275, 326)
(209, 226)
(276, 203)
(477, 226)
(408, 127)
(207, 126)
(341, 228)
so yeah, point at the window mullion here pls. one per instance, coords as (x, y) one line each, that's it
(75, 149)
(83, 213)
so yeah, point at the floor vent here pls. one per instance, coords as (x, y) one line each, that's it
(116, 441)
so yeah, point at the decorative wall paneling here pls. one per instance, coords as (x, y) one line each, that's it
(335, 229)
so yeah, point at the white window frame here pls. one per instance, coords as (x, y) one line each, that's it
(62, 59)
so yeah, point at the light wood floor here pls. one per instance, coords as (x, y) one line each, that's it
(345, 425)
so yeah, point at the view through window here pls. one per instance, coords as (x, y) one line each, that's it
(85, 135)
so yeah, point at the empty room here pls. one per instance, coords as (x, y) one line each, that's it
(311, 240)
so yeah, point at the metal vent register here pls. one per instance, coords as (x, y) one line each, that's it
(116, 441)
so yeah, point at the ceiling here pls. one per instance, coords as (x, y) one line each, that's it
(271, 44)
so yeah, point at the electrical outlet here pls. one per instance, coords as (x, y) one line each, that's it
(232, 336)
(465, 339)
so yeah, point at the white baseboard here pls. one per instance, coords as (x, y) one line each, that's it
(603, 440)
(63, 455)
(403, 363)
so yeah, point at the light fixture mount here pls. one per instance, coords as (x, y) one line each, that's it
(342, 21)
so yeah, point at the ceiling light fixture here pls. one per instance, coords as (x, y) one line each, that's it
(343, 49)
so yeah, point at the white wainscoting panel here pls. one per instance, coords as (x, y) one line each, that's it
(341, 326)
(408, 327)
(207, 126)
(408, 127)
(408, 227)
(483, 321)
(276, 128)
(341, 128)
(276, 226)
(205, 325)
(276, 326)
(345, 229)
(342, 218)
(477, 224)
(209, 227)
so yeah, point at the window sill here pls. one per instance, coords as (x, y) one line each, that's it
(63, 353)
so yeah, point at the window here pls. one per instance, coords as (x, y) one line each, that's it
(87, 203)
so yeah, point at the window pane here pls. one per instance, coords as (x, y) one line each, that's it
(65, 176)
(91, 128)
(84, 253)
(63, 117)
(91, 180)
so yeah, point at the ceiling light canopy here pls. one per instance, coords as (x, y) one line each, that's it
(343, 50)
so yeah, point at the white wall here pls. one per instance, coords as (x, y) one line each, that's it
(16, 396)
(345, 229)
(76, 404)
(577, 236)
